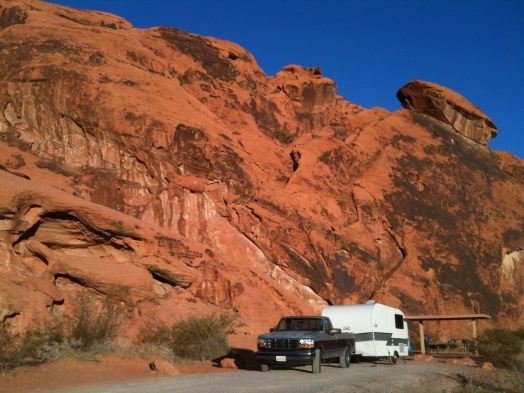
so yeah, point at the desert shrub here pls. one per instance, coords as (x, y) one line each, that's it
(94, 322)
(149, 350)
(44, 343)
(155, 339)
(285, 137)
(520, 333)
(502, 348)
(9, 348)
(197, 338)
(202, 338)
(86, 334)
(155, 333)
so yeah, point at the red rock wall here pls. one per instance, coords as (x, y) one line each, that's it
(215, 186)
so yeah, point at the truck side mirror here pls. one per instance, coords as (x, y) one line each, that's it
(335, 331)
(271, 330)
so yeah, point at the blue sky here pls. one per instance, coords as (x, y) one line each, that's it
(369, 48)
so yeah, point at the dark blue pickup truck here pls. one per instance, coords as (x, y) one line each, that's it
(302, 340)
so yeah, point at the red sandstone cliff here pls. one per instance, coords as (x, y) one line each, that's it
(167, 171)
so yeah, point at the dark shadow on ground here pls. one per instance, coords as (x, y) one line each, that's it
(244, 359)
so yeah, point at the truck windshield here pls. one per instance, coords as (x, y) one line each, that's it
(312, 324)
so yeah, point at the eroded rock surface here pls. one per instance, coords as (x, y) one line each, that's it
(450, 107)
(166, 171)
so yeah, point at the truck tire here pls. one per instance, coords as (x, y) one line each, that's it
(393, 359)
(345, 358)
(317, 361)
(264, 367)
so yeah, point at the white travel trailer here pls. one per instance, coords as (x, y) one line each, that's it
(380, 330)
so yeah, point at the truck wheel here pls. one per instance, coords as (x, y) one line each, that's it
(264, 367)
(345, 358)
(393, 359)
(317, 361)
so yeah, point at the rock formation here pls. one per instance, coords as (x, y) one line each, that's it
(449, 107)
(166, 171)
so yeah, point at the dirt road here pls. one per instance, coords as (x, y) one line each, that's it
(360, 377)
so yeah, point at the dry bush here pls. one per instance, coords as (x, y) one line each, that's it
(94, 322)
(87, 333)
(197, 338)
(9, 348)
(502, 347)
(91, 331)
(155, 340)
(44, 343)
(204, 338)
(155, 332)
(285, 137)
(149, 350)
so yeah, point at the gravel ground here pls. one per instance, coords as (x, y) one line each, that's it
(405, 377)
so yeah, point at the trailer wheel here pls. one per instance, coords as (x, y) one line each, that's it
(317, 361)
(345, 358)
(264, 367)
(393, 359)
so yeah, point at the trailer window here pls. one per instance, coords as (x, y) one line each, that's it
(399, 321)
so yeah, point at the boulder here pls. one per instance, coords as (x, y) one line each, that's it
(163, 367)
(449, 107)
(228, 363)
(423, 358)
(486, 365)
(463, 361)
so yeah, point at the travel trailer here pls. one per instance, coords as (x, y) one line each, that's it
(380, 331)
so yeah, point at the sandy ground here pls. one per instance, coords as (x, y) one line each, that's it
(64, 374)
(74, 373)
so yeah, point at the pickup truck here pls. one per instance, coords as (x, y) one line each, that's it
(304, 340)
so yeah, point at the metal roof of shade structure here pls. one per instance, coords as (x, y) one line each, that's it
(459, 317)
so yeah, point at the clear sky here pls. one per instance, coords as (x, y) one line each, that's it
(369, 48)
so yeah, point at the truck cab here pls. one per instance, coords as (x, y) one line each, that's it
(304, 340)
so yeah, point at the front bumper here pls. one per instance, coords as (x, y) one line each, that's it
(286, 358)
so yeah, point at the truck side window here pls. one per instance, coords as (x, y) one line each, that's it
(284, 325)
(399, 321)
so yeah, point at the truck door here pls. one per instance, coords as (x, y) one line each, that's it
(330, 345)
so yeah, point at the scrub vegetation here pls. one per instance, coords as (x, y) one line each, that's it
(88, 333)
(93, 330)
(285, 137)
(197, 338)
(503, 348)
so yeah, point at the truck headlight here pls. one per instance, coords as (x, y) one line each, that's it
(261, 343)
(307, 343)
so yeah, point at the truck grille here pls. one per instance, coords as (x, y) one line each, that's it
(282, 344)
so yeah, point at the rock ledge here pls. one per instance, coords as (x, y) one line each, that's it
(450, 107)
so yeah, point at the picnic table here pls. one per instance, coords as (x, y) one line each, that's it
(436, 347)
